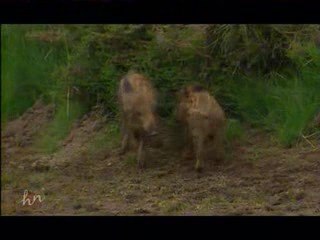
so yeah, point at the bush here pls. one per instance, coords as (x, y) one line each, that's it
(256, 48)
(26, 67)
(265, 75)
(234, 130)
(283, 105)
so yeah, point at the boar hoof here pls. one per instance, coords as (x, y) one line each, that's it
(141, 167)
(121, 152)
(198, 166)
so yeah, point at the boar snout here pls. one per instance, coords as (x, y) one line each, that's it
(150, 126)
(153, 133)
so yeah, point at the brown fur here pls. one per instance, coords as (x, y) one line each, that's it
(137, 99)
(204, 122)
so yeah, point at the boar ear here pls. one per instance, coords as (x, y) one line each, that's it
(173, 91)
(126, 85)
(198, 88)
(184, 92)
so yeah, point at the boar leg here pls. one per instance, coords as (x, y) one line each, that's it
(188, 149)
(125, 138)
(199, 153)
(140, 154)
(124, 143)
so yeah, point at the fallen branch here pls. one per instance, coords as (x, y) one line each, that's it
(312, 134)
(308, 141)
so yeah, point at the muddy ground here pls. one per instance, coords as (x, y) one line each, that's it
(86, 176)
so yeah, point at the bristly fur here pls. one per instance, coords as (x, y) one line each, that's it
(137, 100)
(204, 123)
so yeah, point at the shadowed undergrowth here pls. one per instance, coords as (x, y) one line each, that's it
(83, 63)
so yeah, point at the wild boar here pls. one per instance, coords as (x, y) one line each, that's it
(204, 122)
(137, 99)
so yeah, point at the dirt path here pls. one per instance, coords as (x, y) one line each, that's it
(85, 178)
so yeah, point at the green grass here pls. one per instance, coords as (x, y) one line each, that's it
(108, 138)
(283, 106)
(59, 127)
(234, 130)
(104, 141)
(131, 159)
(26, 68)
(299, 105)
(171, 206)
(283, 103)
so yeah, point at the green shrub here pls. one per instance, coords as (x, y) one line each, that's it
(234, 130)
(60, 126)
(256, 48)
(265, 75)
(283, 106)
(26, 67)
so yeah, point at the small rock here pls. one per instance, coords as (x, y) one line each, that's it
(269, 208)
(130, 198)
(275, 201)
(77, 206)
(141, 211)
(21, 167)
(292, 208)
(91, 208)
(40, 166)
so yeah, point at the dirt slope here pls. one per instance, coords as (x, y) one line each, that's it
(82, 178)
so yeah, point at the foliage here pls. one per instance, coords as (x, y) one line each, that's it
(256, 48)
(283, 105)
(59, 127)
(26, 67)
(265, 75)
